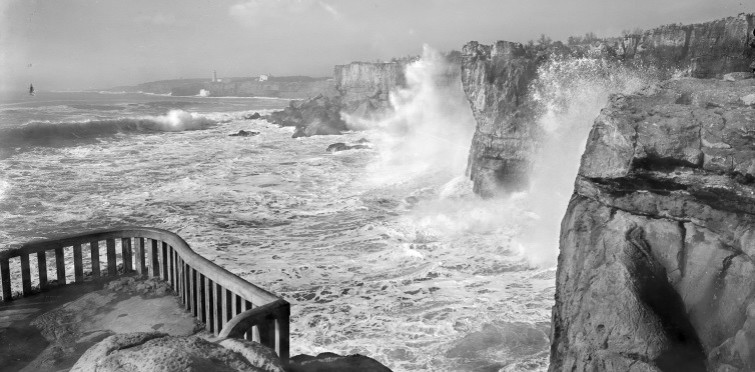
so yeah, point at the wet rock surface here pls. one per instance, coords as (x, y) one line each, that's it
(330, 362)
(154, 351)
(657, 265)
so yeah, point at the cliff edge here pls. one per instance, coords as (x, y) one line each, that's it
(657, 264)
(498, 82)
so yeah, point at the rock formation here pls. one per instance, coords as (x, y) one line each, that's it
(657, 264)
(320, 115)
(497, 80)
(153, 351)
(330, 362)
(364, 87)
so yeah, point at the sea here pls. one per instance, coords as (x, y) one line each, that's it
(384, 251)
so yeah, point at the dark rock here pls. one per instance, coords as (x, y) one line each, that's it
(657, 265)
(244, 133)
(319, 115)
(253, 116)
(340, 146)
(330, 362)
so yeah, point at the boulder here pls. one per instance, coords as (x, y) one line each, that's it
(319, 115)
(340, 146)
(154, 351)
(657, 266)
(330, 362)
(244, 133)
(253, 116)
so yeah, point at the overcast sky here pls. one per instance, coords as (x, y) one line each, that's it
(81, 44)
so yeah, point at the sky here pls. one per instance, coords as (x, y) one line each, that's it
(90, 44)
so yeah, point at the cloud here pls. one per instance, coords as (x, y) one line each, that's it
(330, 9)
(248, 10)
(156, 19)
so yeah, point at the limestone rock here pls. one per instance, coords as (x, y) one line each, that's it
(497, 80)
(160, 352)
(657, 265)
(320, 115)
(330, 362)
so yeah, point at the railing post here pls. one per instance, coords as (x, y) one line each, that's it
(5, 278)
(78, 264)
(94, 251)
(42, 269)
(282, 332)
(153, 264)
(126, 253)
(112, 266)
(141, 264)
(60, 265)
(208, 304)
(192, 291)
(218, 308)
(25, 274)
(226, 307)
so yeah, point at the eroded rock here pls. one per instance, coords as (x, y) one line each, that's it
(657, 269)
(330, 362)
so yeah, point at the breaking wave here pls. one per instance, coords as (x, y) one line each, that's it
(51, 133)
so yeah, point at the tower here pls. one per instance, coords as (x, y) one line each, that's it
(214, 76)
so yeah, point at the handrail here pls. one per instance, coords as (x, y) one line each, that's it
(228, 305)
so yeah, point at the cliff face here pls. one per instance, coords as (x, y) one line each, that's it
(657, 263)
(497, 81)
(364, 87)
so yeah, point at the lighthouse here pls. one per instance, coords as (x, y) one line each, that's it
(214, 76)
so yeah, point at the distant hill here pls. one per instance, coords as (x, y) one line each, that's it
(294, 87)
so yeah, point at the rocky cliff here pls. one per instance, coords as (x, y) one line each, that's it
(364, 88)
(657, 264)
(497, 80)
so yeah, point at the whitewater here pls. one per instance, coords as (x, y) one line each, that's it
(384, 252)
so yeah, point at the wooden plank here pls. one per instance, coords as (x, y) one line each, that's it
(200, 297)
(42, 269)
(141, 262)
(94, 251)
(192, 292)
(60, 265)
(78, 264)
(227, 306)
(217, 304)
(154, 265)
(172, 269)
(5, 278)
(127, 253)
(282, 332)
(25, 275)
(112, 265)
(208, 304)
(164, 256)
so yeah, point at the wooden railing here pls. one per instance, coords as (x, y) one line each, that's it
(228, 305)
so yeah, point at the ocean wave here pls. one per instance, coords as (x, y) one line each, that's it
(52, 133)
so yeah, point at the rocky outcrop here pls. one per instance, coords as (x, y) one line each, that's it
(497, 80)
(657, 264)
(320, 115)
(364, 88)
(153, 351)
(330, 362)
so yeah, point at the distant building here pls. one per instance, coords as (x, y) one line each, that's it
(215, 77)
(264, 77)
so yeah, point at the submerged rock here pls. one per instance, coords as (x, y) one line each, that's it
(657, 265)
(244, 133)
(340, 146)
(330, 362)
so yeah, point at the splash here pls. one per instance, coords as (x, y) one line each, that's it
(570, 94)
(430, 126)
